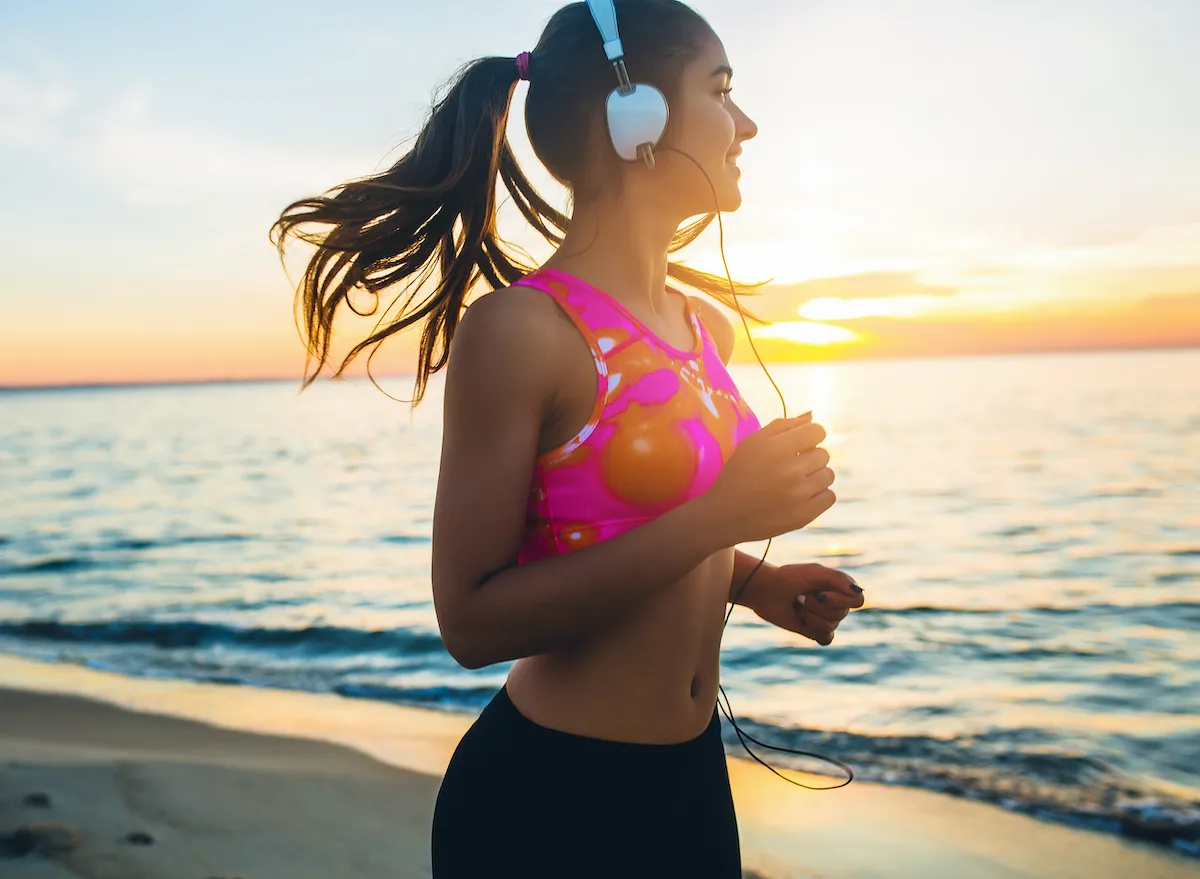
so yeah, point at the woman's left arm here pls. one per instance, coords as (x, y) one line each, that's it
(809, 599)
(743, 564)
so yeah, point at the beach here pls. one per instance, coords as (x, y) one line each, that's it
(109, 777)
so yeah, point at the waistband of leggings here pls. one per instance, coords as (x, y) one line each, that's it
(504, 704)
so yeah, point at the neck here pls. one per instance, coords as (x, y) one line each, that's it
(620, 247)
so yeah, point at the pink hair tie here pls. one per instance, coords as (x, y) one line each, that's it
(523, 65)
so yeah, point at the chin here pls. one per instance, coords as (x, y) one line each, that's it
(729, 198)
(729, 192)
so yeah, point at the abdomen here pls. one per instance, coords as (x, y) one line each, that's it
(649, 677)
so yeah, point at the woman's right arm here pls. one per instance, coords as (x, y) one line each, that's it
(501, 379)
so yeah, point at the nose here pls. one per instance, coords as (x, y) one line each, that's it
(746, 127)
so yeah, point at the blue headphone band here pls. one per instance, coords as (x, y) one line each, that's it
(604, 13)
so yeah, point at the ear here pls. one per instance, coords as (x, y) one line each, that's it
(717, 324)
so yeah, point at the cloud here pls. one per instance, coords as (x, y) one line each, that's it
(1161, 261)
(864, 285)
(123, 139)
(1184, 301)
(836, 295)
(1158, 246)
(136, 149)
(31, 111)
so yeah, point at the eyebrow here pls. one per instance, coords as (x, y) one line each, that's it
(723, 70)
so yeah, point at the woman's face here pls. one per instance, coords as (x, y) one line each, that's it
(707, 125)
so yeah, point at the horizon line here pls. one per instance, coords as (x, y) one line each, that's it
(184, 382)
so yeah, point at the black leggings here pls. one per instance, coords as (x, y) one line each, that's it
(526, 801)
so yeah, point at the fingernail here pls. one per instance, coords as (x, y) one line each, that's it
(821, 598)
(854, 585)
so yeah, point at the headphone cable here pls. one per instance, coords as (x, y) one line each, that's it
(728, 711)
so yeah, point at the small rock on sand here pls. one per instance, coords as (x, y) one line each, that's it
(42, 838)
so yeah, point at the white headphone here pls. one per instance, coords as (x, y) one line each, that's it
(637, 113)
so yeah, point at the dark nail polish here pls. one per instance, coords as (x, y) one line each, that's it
(821, 598)
(856, 587)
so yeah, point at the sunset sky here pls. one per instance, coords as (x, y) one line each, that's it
(930, 177)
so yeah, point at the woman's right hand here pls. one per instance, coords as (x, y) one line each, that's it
(777, 480)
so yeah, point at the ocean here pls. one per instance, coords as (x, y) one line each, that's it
(1026, 529)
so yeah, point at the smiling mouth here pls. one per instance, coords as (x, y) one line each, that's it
(731, 159)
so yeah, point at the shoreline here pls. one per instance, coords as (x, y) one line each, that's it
(260, 783)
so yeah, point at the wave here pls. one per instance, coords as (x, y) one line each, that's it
(1173, 614)
(444, 697)
(1031, 770)
(1013, 769)
(72, 563)
(140, 544)
(312, 640)
(1025, 770)
(52, 565)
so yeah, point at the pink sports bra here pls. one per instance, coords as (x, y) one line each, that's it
(663, 425)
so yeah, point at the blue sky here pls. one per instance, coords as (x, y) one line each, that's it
(1016, 151)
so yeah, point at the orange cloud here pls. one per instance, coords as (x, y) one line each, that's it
(1154, 322)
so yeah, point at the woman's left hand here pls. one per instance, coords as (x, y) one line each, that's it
(808, 599)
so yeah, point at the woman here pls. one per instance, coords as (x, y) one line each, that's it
(590, 494)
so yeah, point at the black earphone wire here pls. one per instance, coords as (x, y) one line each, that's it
(727, 709)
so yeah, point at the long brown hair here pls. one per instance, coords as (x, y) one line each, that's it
(431, 216)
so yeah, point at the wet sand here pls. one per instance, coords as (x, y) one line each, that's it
(107, 777)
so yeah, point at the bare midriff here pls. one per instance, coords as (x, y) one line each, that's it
(651, 677)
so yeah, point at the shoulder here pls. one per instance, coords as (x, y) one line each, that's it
(717, 324)
(511, 335)
(518, 318)
(510, 309)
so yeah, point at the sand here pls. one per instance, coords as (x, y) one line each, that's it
(107, 777)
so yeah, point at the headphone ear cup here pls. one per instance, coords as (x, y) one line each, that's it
(636, 118)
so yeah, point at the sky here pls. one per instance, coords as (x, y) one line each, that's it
(930, 177)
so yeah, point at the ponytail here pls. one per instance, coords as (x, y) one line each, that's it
(432, 211)
(432, 217)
